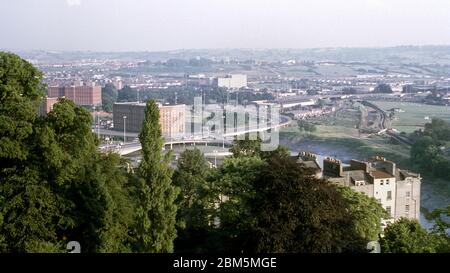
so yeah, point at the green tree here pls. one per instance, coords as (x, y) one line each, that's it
(407, 236)
(109, 97)
(103, 210)
(28, 205)
(295, 212)
(438, 129)
(127, 94)
(252, 147)
(156, 209)
(306, 126)
(383, 88)
(441, 228)
(196, 201)
(366, 211)
(246, 147)
(235, 183)
(20, 93)
(54, 185)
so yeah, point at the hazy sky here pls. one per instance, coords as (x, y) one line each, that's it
(131, 25)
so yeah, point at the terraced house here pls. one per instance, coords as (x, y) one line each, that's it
(397, 190)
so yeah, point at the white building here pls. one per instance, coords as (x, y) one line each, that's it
(233, 81)
(397, 190)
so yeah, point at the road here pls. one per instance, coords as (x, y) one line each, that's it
(222, 139)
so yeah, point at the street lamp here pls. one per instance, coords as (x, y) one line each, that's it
(223, 132)
(124, 129)
(98, 123)
(215, 158)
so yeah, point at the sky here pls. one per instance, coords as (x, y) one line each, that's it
(158, 25)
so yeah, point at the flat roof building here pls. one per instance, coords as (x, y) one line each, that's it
(172, 118)
(80, 95)
(232, 81)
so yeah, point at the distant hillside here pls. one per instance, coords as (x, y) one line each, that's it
(400, 54)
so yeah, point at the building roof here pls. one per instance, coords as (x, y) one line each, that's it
(377, 174)
(357, 175)
(403, 174)
(143, 104)
(311, 165)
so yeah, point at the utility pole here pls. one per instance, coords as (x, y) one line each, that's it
(98, 126)
(124, 129)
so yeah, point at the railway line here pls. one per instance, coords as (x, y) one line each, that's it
(384, 124)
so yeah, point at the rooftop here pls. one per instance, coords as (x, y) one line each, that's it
(143, 104)
(377, 174)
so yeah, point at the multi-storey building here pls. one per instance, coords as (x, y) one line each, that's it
(397, 190)
(131, 115)
(47, 105)
(80, 95)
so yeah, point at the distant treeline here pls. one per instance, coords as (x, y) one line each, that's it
(186, 95)
(431, 148)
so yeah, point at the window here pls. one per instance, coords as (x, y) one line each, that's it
(407, 208)
(388, 209)
(382, 182)
(389, 195)
(387, 181)
(408, 194)
(379, 200)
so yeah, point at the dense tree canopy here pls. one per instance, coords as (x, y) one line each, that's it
(367, 212)
(427, 151)
(295, 212)
(196, 201)
(127, 94)
(383, 88)
(54, 185)
(20, 92)
(109, 97)
(407, 236)
(273, 204)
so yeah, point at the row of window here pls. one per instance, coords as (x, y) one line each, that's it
(389, 195)
(382, 182)
(389, 210)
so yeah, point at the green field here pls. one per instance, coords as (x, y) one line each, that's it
(415, 115)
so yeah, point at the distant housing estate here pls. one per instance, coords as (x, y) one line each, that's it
(397, 190)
